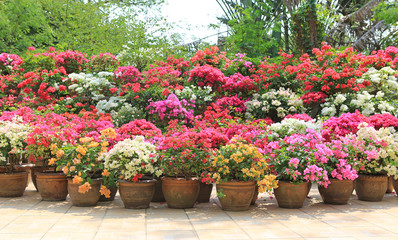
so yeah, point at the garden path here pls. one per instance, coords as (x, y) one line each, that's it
(30, 218)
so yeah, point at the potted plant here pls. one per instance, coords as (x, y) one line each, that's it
(237, 168)
(39, 141)
(338, 158)
(135, 162)
(376, 154)
(293, 159)
(12, 144)
(182, 159)
(81, 163)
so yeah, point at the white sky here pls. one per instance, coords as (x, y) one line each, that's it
(194, 17)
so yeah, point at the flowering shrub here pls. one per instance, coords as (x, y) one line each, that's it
(234, 104)
(239, 84)
(104, 62)
(383, 80)
(139, 127)
(82, 160)
(132, 159)
(207, 76)
(128, 74)
(294, 158)
(345, 124)
(275, 104)
(72, 61)
(12, 139)
(242, 162)
(303, 117)
(183, 154)
(95, 86)
(201, 96)
(171, 108)
(39, 61)
(290, 126)
(208, 57)
(377, 151)
(9, 63)
(384, 120)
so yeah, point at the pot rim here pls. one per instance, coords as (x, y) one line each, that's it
(143, 181)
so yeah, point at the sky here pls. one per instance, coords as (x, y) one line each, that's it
(194, 17)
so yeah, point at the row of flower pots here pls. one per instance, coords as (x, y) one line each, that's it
(182, 193)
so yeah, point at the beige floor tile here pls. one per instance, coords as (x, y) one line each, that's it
(171, 235)
(267, 233)
(116, 234)
(69, 235)
(368, 232)
(207, 234)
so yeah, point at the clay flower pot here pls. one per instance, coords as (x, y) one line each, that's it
(52, 186)
(290, 195)
(87, 199)
(158, 195)
(137, 195)
(34, 170)
(238, 195)
(390, 186)
(395, 184)
(179, 192)
(204, 192)
(371, 188)
(255, 196)
(13, 184)
(338, 191)
(112, 195)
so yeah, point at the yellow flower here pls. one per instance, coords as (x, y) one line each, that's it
(105, 173)
(76, 161)
(86, 139)
(53, 147)
(65, 170)
(104, 144)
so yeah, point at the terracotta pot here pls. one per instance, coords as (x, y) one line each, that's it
(87, 199)
(289, 195)
(395, 184)
(112, 195)
(25, 168)
(136, 195)
(238, 195)
(53, 186)
(158, 195)
(338, 191)
(179, 192)
(37, 169)
(309, 185)
(371, 188)
(255, 195)
(204, 192)
(390, 186)
(13, 184)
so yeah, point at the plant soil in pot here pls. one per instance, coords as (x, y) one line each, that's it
(179, 192)
(338, 191)
(136, 195)
(204, 192)
(291, 195)
(371, 187)
(158, 195)
(236, 195)
(13, 184)
(90, 198)
(52, 186)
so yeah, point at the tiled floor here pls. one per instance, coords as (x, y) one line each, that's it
(30, 218)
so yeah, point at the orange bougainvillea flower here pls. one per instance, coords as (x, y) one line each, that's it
(104, 144)
(93, 144)
(65, 170)
(84, 188)
(82, 150)
(105, 173)
(108, 133)
(52, 161)
(60, 153)
(77, 179)
(76, 161)
(105, 191)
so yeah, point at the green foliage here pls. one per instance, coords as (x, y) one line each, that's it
(387, 11)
